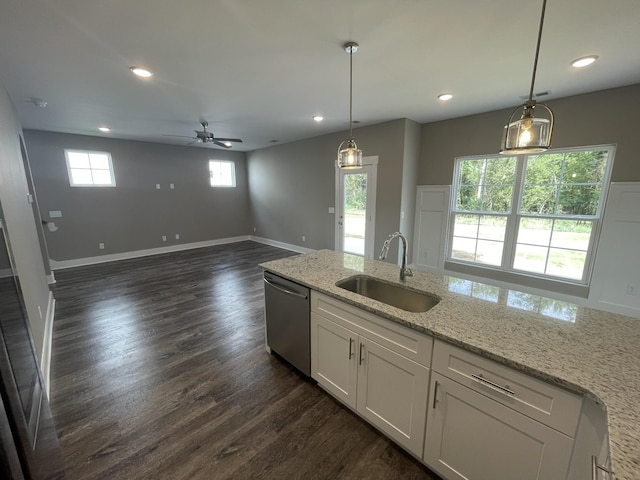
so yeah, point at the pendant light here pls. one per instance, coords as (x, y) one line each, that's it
(349, 155)
(532, 132)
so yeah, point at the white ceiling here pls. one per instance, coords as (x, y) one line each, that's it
(259, 69)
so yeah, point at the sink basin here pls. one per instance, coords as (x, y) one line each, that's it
(389, 293)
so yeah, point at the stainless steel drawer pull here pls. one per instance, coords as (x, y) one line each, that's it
(481, 379)
(596, 466)
(361, 348)
(350, 348)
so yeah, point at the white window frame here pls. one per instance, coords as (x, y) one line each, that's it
(506, 271)
(88, 153)
(233, 173)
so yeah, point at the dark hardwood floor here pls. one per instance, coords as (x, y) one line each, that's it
(159, 372)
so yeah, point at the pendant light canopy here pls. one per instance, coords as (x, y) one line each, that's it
(349, 155)
(531, 133)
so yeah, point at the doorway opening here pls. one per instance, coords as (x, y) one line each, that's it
(356, 206)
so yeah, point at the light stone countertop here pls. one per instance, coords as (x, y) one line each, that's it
(588, 351)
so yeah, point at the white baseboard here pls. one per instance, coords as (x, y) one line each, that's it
(79, 262)
(51, 278)
(45, 361)
(286, 246)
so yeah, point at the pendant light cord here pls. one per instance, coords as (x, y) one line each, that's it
(351, 91)
(535, 61)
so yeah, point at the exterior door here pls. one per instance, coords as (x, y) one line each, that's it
(356, 204)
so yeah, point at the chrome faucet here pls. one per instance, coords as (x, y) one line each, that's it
(404, 270)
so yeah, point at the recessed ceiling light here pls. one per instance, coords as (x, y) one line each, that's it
(317, 118)
(141, 72)
(445, 96)
(584, 61)
(104, 129)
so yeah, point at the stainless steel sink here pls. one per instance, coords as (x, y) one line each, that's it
(389, 293)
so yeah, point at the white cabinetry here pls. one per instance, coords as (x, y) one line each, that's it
(333, 364)
(371, 364)
(486, 421)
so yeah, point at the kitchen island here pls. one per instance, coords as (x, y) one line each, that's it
(586, 351)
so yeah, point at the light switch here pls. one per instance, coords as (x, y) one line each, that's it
(171, 186)
(332, 210)
(157, 186)
(55, 213)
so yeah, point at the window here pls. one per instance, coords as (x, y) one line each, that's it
(90, 169)
(222, 173)
(536, 215)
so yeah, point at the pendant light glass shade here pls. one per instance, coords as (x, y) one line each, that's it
(531, 133)
(349, 155)
(528, 134)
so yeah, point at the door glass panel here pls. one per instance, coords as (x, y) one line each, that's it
(355, 212)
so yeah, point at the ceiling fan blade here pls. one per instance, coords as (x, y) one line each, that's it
(228, 139)
(219, 143)
(181, 136)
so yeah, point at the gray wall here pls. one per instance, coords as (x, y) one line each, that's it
(20, 222)
(410, 167)
(292, 185)
(608, 116)
(135, 215)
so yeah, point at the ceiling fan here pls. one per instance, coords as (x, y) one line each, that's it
(205, 136)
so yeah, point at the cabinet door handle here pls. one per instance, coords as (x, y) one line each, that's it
(350, 348)
(596, 466)
(435, 394)
(360, 359)
(481, 379)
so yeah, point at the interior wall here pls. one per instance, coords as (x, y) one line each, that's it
(410, 166)
(604, 117)
(20, 223)
(135, 215)
(292, 186)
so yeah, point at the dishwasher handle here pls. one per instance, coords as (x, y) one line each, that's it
(285, 290)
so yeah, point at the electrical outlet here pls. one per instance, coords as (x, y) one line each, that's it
(177, 236)
(304, 238)
(157, 186)
(255, 229)
(101, 246)
(171, 186)
(164, 238)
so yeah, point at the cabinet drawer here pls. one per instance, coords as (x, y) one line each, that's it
(539, 400)
(410, 343)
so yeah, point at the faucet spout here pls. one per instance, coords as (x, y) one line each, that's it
(404, 270)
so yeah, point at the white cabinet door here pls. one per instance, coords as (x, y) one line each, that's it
(392, 394)
(472, 437)
(333, 358)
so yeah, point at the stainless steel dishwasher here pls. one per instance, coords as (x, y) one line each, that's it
(287, 316)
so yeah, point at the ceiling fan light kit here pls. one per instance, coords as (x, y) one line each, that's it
(531, 133)
(349, 155)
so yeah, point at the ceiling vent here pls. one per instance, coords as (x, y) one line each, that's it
(546, 93)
